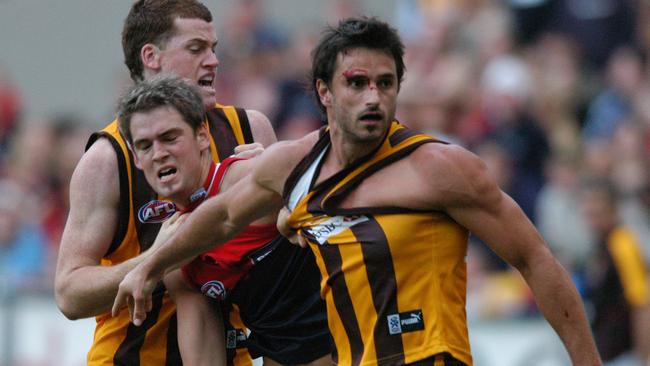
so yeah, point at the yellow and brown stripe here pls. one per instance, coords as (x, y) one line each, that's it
(236, 348)
(393, 278)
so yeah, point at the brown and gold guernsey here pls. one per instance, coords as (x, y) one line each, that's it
(393, 278)
(116, 340)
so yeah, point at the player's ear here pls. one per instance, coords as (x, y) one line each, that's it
(324, 94)
(150, 56)
(137, 161)
(203, 137)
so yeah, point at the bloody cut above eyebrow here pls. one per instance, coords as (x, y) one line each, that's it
(354, 72)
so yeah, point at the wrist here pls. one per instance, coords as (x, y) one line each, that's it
(149, 268)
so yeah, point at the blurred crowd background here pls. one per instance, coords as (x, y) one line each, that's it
(554, 95)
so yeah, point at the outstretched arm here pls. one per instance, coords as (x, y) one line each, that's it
(473, 199)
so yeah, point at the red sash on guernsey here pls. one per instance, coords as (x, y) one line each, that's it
(216, 272)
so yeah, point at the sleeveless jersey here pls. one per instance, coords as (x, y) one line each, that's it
(216, 272)
(393, 278)
(618, 283)
(116, 340)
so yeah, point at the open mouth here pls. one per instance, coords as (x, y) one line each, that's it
(206, 81)
(371, 117)
(166, 173)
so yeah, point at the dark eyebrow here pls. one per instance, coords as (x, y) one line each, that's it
(202, 42)
(139, 142)
(171, 131)
(388, 75)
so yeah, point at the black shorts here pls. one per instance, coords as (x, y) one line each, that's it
(279, 302)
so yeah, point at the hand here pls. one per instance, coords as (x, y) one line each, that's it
(135, 292)
(249, 150)
(287, 231)
(168, 228)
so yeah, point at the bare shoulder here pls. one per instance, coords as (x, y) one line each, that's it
(451, 158)
(261, 127)
(96, 176)
(451, 174)
(276, 163)
(94, 202)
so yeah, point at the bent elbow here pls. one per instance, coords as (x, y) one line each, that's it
(67, 310)
(65, 305)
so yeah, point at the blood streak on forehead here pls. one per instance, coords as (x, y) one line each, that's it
(354, 72)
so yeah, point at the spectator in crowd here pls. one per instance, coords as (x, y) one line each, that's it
(22, 243)
(616, 280)
(11, 105)
(614, 105)
(558, 213)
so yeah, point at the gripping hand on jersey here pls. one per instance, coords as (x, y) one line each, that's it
(287, 231)
(247, 151)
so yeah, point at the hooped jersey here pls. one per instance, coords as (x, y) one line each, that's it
(393, 278)
(116, 340)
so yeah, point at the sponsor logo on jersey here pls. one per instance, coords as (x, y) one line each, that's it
(405, 322)
(235, 338)
(155, 212)
(214, 289)
(321, 232)
(199, 194)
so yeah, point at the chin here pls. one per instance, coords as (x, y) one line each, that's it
(209, 101)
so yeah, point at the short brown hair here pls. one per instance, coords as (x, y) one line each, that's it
(161, 91)
(152, 21)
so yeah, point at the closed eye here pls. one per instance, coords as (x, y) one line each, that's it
(142, 145)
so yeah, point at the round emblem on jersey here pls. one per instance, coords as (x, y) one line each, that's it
(214, 289)
(155, 212)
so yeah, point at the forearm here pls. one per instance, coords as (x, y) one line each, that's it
(205, 228)
(560, 303)
(90, 290)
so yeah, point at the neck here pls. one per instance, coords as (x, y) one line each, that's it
(346, 151)
(206, 164)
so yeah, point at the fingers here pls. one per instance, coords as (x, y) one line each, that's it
(138, 309)
(282, 223)
(249, 150)
(137, 303)
(251, 146)
(119, 302)
(290, 233)
(148, 305)
(172, 220)
(302, 242)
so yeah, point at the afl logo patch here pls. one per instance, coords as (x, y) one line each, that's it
(156, 212)
(214, 289)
